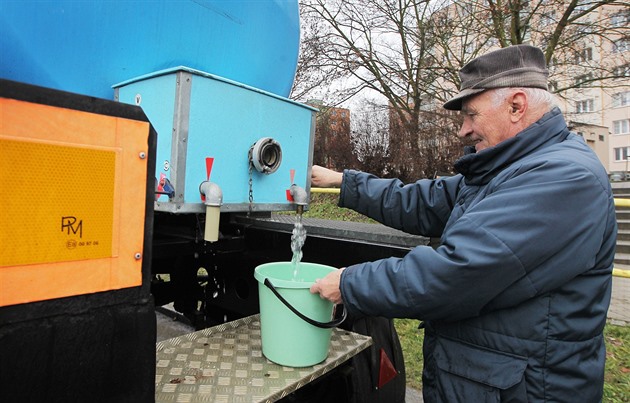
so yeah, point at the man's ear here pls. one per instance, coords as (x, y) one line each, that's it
(517, 106)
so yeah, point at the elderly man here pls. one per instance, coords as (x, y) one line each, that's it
(514, 299)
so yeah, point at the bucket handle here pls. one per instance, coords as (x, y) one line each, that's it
(323, 325)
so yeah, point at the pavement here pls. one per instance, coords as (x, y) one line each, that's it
(619, 311)
(169, 325)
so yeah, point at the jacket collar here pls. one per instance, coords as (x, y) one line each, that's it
(479, 168)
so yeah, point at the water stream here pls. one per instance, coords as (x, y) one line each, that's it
(298, 236)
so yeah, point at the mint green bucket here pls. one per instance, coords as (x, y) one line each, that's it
(295, 325)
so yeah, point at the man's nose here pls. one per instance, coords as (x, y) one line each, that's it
(464, 130)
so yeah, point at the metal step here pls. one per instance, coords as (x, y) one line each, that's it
(622, 252)
(623, 246)
(623, 235)
(622, 260)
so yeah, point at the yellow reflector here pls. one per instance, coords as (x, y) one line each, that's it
(73, 191)
(58, 203)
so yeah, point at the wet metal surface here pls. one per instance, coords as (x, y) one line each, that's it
(225, 364)
(355, 231)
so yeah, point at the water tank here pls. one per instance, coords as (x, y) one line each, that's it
(88, 46)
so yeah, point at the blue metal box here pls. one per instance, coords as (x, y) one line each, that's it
(209, 126)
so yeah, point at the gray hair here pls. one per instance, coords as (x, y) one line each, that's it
(536, 96)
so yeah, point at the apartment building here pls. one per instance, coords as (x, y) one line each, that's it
(332, 135)
(597, 109)
(605, 104)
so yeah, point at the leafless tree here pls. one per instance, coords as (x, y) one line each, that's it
(334, 147)
(316, 70)
(410, 51)
(568, 31)
(371, 139)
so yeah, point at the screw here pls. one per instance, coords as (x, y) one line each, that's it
(138, 256)
(142, 155)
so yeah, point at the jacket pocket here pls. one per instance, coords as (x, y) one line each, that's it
(467, 373)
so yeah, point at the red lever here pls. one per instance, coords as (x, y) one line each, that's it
(288, 192)
(209, 162)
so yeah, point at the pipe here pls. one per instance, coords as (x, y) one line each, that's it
(213, 201)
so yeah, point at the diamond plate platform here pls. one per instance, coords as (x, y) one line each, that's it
(225, 364)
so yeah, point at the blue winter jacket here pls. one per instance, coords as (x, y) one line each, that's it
(515, 298)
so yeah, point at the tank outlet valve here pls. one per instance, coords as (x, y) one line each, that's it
(164, 187)
(266, 155)
(300, 197)
(213, 201)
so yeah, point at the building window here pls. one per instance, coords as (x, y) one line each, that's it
(581, 6)
(492, 42)
(621, 126)
(585, 106)
(602, 138)
(621, 45)
(465, 9)
(584, 55)
(621, 153)
(620, 19)
(621, 99)
(622, 71)
(548, 18)
(470, 48)
(584, 80)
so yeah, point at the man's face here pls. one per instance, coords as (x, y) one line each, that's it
(485, 123)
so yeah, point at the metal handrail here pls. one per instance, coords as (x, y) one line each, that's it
(325, 190)
(618, 202)
(621, 272)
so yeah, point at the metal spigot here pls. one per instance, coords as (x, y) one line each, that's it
(300, 197)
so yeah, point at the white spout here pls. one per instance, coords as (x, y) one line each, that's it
(211, 232)
(213, 201)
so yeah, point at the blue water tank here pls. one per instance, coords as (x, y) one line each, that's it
(88, 46)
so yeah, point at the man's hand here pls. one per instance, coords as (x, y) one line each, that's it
(324, 177)
(328, 287)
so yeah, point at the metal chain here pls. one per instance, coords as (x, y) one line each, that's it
(251, 187)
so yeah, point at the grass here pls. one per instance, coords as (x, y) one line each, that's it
(324, 205)
(617, 377)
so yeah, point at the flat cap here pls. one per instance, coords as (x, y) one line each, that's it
(514, 66)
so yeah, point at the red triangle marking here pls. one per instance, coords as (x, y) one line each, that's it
(386, 372)
(209, 162)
